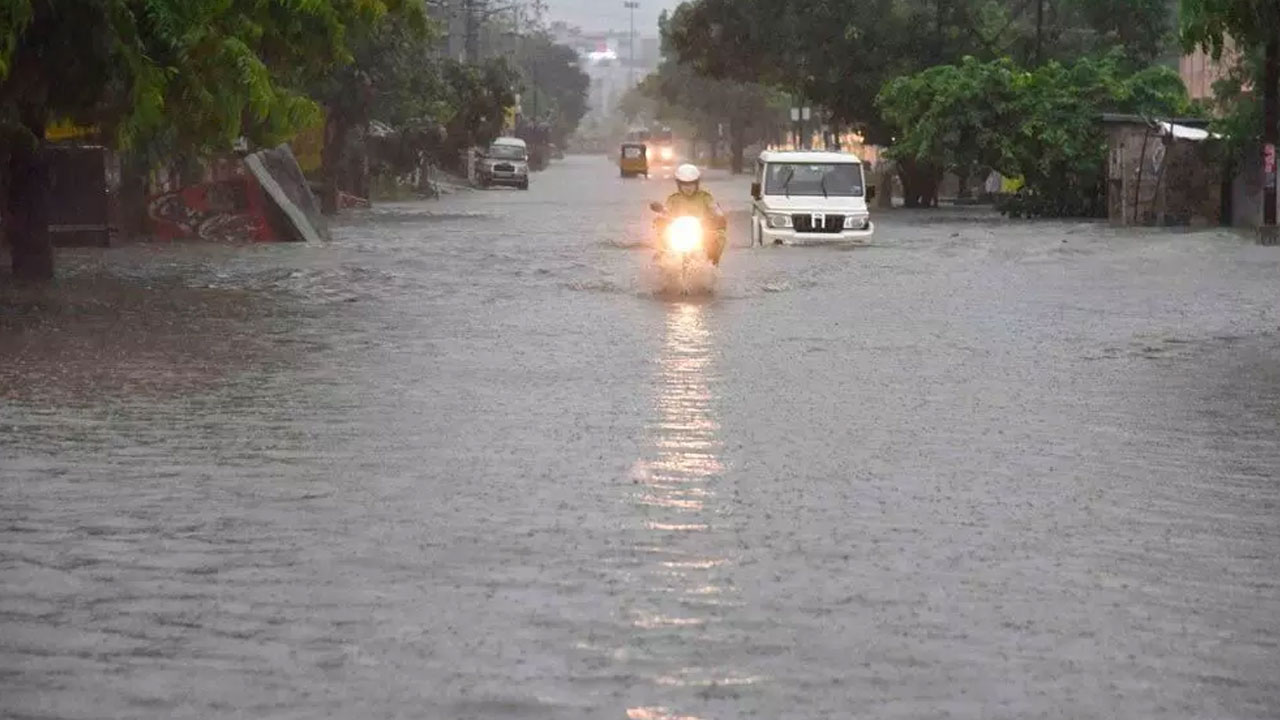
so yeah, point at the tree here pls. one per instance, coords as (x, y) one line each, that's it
(1253, 28)
(1040, 124)
(186, 75)
(555, 86)
(389, 79)
(476, 101)
(743, 112)
(951, 117)
(839, 55)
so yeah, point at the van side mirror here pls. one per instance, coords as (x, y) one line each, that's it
(755, 190)
(871, 192)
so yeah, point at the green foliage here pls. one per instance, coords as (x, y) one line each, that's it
(1218, 25)
(1234, 31)
(193, 75)
(1040, 124)
(840, 54)
(389, 77)
(477, 98)
(555, 87)
(954, 115)
(1239, 109)
(679, 94)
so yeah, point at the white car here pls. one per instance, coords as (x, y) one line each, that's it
(506, 162)
(800, 197)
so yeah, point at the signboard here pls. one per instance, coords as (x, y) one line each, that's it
(270, 203)
(232, 210)
(279, 176)
(61, 130)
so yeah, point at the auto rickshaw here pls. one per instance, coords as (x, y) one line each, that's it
(633, 159)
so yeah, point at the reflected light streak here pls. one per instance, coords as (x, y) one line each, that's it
(706, 681)
(654, 622)
(677, 492)
(656, 713)
(676, 527)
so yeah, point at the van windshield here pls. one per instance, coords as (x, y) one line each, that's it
(506, 152)
(821, 179)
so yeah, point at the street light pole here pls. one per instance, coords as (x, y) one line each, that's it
(632, 5)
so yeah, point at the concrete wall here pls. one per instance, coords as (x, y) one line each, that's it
(1246, 190)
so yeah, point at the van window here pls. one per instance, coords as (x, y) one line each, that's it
(809, 179)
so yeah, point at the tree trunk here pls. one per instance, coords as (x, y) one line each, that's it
(360, 165)
(919, 183)
(884, 196)
(962, 174)
(331, 156)
(737, 145)
(31, 253)
(133, 195)
(1268, 233)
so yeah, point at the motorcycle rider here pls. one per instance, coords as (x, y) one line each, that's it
(691, 200)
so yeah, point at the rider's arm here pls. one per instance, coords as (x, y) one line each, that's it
(713, 207)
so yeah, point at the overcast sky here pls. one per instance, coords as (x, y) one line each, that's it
(609, 14)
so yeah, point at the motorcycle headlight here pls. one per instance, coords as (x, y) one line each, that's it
(779, 220)
(856, 222)
(684, 234)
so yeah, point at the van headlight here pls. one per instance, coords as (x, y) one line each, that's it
(778, 220)
(856, 222)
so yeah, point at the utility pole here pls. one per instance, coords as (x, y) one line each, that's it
(471, 18)
(632, 5)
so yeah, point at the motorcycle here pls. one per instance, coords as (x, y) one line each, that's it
(682, 250)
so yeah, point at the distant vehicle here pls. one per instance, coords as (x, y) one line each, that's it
(661, 143)
(505, 162)
(633, 159)
(800, 197)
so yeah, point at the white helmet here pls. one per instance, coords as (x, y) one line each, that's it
(688, 173)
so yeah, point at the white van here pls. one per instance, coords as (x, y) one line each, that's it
(809, 197)
(506, 162)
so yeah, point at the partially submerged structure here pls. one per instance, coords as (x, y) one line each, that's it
(1164, 172)
(265, 199)
(1176, 172)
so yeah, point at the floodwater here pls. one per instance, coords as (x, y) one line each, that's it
(461, 462)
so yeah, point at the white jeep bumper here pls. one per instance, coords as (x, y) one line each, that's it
(788, 236)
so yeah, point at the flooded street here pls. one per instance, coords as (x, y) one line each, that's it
(462, 463)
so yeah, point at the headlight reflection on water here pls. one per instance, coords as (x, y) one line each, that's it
(679, 502)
